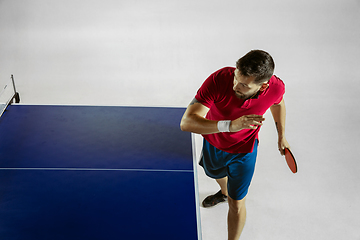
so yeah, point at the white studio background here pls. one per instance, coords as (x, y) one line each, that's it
(157, 53)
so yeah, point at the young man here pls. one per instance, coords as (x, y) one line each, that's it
(228, 111)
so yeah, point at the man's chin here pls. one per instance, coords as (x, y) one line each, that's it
(240, 96)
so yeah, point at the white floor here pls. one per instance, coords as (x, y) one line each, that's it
(157, 53)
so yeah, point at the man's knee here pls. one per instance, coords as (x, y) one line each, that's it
(236, 205)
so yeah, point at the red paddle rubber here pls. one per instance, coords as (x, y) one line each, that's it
(290, 159)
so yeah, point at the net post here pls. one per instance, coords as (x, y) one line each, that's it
(16, 95)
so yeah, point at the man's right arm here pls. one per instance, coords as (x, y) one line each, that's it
(194, 120)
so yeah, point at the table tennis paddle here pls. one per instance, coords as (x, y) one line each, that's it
(290, 159)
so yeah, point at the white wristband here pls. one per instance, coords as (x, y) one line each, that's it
(224, 126)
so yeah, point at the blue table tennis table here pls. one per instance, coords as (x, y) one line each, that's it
(96, 172)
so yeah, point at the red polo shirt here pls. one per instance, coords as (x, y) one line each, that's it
(217, 94)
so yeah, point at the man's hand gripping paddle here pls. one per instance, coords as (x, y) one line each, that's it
(290, 159)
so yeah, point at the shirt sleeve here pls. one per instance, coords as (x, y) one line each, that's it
(281, 90)
(207, 93)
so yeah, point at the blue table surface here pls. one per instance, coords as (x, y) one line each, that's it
(94, 137)
(95, 172)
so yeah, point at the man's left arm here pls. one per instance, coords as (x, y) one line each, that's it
(279, 114)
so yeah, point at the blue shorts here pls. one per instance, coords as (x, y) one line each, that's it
(239, 168)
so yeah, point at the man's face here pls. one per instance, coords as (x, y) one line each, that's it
(244, 87)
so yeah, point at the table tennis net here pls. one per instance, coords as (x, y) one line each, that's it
(7, 95)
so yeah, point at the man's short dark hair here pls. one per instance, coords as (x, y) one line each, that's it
(258, 64)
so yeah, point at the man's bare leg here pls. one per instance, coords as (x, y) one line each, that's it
(236, 218)
(223, 185)
(237, 212)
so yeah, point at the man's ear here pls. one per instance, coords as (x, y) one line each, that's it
(264, 86)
